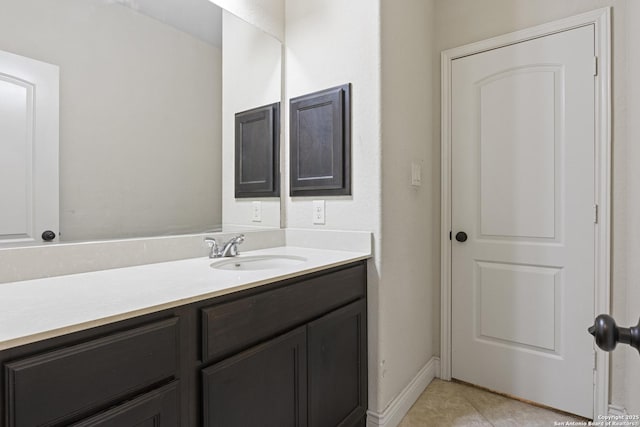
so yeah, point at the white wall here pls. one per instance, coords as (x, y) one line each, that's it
(139, 117)
(410, 215)
(329, 43)
(251, 78)
(265, 14)
(464, 21)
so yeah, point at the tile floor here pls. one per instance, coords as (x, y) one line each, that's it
(446, 403)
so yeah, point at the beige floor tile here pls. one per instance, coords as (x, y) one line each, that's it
(502, 411)
(446, 403)
(441, 404)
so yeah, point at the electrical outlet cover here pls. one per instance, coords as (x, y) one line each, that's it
(256, 211)
(318, 212)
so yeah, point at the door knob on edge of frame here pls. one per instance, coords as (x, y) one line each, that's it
(607, 334)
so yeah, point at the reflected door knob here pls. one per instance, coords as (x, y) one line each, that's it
(48, 235)
(608, 334)
(461, 236)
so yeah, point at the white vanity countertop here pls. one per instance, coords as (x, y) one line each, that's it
(34, 310)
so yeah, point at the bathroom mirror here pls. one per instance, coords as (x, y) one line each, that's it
(148, 91)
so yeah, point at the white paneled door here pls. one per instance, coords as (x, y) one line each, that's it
(28, 149)
(523, 174)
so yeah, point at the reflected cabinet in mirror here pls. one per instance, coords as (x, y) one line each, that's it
(256, 156)
(142, 131)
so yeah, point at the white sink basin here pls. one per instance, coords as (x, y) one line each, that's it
(258, 262)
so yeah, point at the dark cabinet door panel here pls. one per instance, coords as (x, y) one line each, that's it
(78, 380)
(235, 325)
(158, 408)
(337, 367)
(264, 386)
(320, 143)
(257, 153)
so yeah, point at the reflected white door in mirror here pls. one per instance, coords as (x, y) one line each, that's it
(28, 150)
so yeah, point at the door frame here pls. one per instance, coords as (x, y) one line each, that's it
(601, 19)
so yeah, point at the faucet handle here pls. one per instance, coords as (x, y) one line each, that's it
(213, 245)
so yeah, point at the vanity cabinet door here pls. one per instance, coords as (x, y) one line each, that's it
(264, 386)
(158, 408)
(72, 382)
(337, 367)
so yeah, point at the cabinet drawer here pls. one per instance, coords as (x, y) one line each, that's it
(156, 408)
(229, 327)
(67, 383)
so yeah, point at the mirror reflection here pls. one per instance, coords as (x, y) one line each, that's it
(148, 90)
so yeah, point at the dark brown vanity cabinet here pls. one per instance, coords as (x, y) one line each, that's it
(61, 386)
(263, 386)
(153, 409)
(290, 353)
(304, 361)
(337, 368)
(312, 376)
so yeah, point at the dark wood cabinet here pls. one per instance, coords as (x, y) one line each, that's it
(314, 376)
(290, 353)
(263, 386)
(158, 408)
(257, 152)
(337, 367)
(320, 143)
(67, 383)
(230, 326)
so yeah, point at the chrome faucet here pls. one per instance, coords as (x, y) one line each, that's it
(228, 249)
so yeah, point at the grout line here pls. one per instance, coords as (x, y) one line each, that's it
(474, 406)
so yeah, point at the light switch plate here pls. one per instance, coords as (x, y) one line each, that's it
(256, 211)
(416, 174)
(318, 211)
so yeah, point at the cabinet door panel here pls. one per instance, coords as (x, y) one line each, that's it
(71, 382)
(337, 367)
(263, 386)
(158, 408)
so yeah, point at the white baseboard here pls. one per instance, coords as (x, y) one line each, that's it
(398, 408)
(617, 410)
